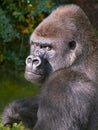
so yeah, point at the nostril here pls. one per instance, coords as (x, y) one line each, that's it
(28, 60)
(36, 62)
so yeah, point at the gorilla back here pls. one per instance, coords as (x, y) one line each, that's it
(64, 57)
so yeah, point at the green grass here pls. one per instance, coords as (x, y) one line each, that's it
(12, 88)
(15, 127)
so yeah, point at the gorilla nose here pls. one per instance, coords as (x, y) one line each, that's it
(35, 62)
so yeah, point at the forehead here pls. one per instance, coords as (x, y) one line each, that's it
(35, 37)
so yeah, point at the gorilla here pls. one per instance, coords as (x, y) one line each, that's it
(64, 61)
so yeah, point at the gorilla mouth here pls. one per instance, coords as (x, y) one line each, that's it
(33, 73)
(34, 77)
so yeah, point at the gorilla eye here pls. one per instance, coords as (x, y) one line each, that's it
(48, 48)
(72, 45)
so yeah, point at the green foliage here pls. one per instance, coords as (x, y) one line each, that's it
(18, 19)
(7, 32)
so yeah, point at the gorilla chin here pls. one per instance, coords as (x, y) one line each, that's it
(34, 77)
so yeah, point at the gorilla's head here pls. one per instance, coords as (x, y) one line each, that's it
(59, 42)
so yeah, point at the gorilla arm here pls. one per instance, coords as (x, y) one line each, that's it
(74, 96)
(24, 110)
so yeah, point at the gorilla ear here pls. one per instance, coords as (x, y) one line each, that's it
(72, 45)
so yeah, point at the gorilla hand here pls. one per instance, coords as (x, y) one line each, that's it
(24, 110)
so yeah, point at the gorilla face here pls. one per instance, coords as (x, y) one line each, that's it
(54, 45)
(45, 58)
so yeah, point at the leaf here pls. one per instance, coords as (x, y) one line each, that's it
(1, 58)
(21, 18)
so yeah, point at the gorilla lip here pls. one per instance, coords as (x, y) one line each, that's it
(32, 76)
(31, 73)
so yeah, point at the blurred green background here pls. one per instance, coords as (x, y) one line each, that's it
(18, 20)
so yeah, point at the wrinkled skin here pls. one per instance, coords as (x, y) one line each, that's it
(64, 61)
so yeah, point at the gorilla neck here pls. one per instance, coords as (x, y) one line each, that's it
(87, 67)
